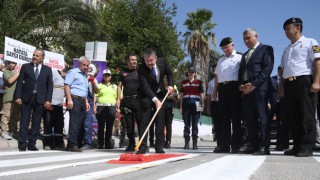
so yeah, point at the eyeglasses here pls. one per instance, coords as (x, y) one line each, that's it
(107, 75)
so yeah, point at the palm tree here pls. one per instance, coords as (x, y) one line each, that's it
(197, 38)
(48, 24)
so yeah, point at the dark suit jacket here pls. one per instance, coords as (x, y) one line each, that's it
(259, 67)
(27, 80)
(148, 84)
(273, 90)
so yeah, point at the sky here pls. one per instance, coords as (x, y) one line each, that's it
(267, 17)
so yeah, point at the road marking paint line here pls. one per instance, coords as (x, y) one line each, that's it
(48, 159)
(228, 167)
(317, 158)
(126, 169)
(52, 167)
(10, 153)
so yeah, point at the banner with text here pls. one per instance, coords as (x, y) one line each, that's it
(21, 53)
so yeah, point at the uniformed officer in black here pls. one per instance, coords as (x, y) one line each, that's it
(301, 74)
(128, 85)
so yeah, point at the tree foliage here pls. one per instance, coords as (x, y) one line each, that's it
(135, 25)
(64, 26)
(59, 25)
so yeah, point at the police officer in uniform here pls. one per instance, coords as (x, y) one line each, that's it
(128, 84)
(301, 74)
(226, 83)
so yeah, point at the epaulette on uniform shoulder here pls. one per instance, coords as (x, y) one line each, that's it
(239, 52)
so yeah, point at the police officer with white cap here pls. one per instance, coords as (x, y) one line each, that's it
(301, 74)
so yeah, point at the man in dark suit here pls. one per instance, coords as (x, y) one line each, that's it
(255, 69)
(278, 109)
(34, 93)
(151, 92)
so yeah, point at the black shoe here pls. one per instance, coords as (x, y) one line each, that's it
(221, 150)
(60, 148)
(75, 149)
(22, 148)
(262, 151)
(32, 148)
(291, 152)
(167, 145)
(249, 150)
(142, 150)
(234, 150)
(281, 147)
(160, 151)
(304, 153)
(100, 147)
(130, 148)
(316, 147)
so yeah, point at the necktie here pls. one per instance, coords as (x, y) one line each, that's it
(247, 57)
(36, 73)
(153, 72)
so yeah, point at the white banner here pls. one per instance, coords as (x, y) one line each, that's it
(54, 60)
(21, 53)
(17, 51)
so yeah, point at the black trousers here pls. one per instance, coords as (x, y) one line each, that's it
(147, 107)
(215, 117)
(255, 109)
(230, 113)
(190, 117)
(77, 117)
(282, 122)
(130, 109)
(105, 116)
(301, 110)
(37, 111)
(53, 122)
(168, 124)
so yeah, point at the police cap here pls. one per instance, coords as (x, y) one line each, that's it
(226, 41)
(293, 20)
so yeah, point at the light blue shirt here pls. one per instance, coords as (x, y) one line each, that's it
(78, 82)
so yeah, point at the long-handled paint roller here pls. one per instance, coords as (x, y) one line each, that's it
(135, 156)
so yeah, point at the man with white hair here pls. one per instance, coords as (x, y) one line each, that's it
(76, 88)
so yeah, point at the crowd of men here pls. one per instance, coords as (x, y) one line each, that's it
(239, 95)
(243, 80)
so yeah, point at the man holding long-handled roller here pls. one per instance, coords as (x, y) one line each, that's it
(152, 92)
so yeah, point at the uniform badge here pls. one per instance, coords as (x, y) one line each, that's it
(316, 49)
(125, 74)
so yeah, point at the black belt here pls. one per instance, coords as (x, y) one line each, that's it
(131, 97)
(228, 82)
(293, 78)
(79, 97)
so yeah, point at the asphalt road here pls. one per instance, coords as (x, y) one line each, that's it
(196, 164)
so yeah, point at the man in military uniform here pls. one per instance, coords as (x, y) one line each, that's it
(226, 83)
(301, 78)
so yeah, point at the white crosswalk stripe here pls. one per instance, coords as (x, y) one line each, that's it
(39, 160)
(92, 165)
(228, 167)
